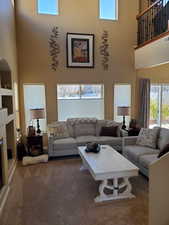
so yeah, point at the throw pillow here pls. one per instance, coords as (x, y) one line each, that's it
(164, 150)
(109, 131)
(147, 137)
(59, 130)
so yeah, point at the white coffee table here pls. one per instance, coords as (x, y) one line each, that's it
(108, 166)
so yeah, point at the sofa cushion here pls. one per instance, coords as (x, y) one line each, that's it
(73, 125)
(64, 143)
(164, 151)
(147, 137)
(59, 129)
(107, 123)
(83, 140)
(109, 140)
(134, 152)
(163, 138)
(70, 130)
(146, 160)
(109, 131)
(85, 129)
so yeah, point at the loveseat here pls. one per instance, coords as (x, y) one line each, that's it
(142, 154)
(64, 137)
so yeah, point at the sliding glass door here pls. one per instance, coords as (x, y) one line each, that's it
(159, 106)
(165, 106)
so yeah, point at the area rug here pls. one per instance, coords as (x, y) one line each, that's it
(58, 193)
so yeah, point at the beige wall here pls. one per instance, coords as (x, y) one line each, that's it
(159, 74)
(8, 52)
(143, 4)
(33, 32)
(8, 38)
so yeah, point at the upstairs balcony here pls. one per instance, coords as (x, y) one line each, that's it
(153, 35)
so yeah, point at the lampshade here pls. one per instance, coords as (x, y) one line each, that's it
(37, 113)
(123, 110)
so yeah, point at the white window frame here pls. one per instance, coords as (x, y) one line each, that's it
(160, 101)
(77, 99)
(102, 92)
(131, 99)
(45, 131)
(50, 14)
(116, 12)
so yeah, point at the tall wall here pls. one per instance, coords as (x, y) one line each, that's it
(7, 36)
(8, 53)
(158, 74)
(76, 16)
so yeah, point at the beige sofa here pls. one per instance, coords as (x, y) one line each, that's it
(65, 137)
(143, 156)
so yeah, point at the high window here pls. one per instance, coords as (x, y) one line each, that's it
(34, 98)
(122, 97)
(80, 101)
(48, 7)
(159, 105)
(108, 9)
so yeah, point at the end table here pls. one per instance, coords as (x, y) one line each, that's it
(35, 143)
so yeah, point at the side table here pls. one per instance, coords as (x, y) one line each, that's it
(35, 143)
(133, 131)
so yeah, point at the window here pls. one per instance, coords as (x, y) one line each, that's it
(80, 101)
(34, 98)
(159, 106)
(108, 9)
(122, 97)
(48, 7)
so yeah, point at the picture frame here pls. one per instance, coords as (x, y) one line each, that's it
(80, 50)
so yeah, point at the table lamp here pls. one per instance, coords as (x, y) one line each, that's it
(37, 114)
(123, 111)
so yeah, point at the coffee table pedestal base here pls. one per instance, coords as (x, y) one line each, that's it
(119, 191)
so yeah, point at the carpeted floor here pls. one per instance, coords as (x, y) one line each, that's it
(58, 193)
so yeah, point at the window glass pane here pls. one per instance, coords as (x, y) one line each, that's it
(68, 91)
(48, 7)
(91, 91)
(80, 101)
(165, 107)
(34, 98)
(155, 99)
(108, 9)
(122, 97)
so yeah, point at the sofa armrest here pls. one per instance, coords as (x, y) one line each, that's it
(51, 139)
(129, 140)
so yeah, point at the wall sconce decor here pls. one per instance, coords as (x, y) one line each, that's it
(54, 48)
(104, 50)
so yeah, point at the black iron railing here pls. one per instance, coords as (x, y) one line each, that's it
(153, 21)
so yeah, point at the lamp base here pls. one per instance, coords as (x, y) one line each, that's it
(38, 131)
(38, 127)
(124, 126)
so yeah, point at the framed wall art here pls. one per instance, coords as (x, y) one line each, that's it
(80, 50)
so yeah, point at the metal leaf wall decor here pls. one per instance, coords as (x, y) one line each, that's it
(104, 50)
(54, 48)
